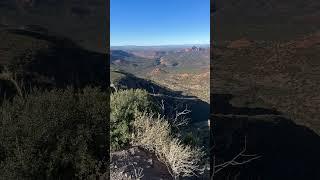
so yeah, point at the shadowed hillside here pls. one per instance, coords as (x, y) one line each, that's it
(288, 150)
(53, 107)
(123, 80)
(82, 21)
(40, 60)
(273, 75)
(265, 79)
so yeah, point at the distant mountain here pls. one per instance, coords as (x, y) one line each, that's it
(193, 57)
(183, 69)
(158, 47)
(194, 48)
(146, 60)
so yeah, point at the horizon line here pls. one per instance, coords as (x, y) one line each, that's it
(162, 45)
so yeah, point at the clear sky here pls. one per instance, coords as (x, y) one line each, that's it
(159, 22)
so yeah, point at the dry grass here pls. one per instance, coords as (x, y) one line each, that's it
(154, 134)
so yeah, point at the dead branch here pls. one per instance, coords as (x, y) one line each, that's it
(114, 87)
(235, 161)
(180, 118)
(138, 173)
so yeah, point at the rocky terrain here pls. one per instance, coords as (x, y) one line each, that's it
(180, 69)
(174, 78)
(135, 163)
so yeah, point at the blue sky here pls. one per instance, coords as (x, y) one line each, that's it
(159, 22)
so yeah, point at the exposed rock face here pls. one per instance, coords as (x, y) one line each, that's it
(135, 163)
(163, 61)
(194, 49)
(157, 71)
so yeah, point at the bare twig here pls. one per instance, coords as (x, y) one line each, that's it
(114, 87)
(235, 160)
(138, 173)
(162, 105)
(180, 119)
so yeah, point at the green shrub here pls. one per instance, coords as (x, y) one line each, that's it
(53, 135)
(125, 104)
(190, 139)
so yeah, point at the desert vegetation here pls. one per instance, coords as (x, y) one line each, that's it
(125, 104)
(54, 134)
(154, 134)
(136, 121)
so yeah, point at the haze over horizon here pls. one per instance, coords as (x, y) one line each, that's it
(159, 23)
(163, 45)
